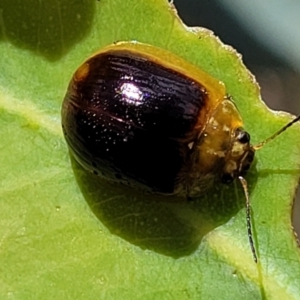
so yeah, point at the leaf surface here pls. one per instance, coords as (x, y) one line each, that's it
(62, 240)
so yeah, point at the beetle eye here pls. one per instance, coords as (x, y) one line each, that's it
(243, 137)
(226, 178)
(246, 167)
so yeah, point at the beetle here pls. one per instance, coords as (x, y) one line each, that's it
(143, 116)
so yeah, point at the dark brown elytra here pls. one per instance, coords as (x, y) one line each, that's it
(144, 137)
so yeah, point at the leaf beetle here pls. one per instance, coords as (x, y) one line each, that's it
(143, 116)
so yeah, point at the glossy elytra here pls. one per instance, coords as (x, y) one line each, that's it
(140, 115)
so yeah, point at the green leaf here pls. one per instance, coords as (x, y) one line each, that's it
(114, 243)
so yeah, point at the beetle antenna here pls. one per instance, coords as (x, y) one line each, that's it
(248, 217)
(261, 144)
